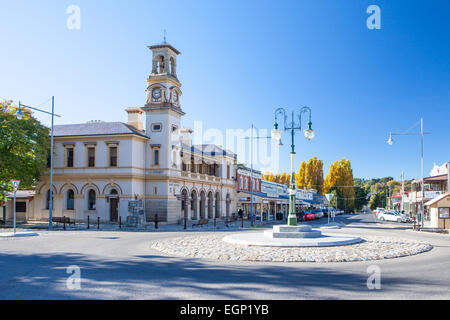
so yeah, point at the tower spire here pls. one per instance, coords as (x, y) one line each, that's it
(164, 41)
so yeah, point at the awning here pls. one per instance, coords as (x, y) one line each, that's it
(440, 178)
(310, 201)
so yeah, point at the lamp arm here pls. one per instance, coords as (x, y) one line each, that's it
(36, 109)
(409, 134)
(304, 110)
(283, 112)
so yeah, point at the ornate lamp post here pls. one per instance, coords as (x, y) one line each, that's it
(276, 135)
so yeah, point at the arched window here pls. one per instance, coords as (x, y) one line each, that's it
(160, 64)
(91, 200)
(156, 157)
(172, 66)
(47, 200)
(70, 200)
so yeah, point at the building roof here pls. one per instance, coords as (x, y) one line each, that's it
(95, 129)
(442, 177)
(21, 194)
(213, 149)
(244, 167)
(164, 44)
(433, 201)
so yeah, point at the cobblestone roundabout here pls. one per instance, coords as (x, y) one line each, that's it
(212, 247)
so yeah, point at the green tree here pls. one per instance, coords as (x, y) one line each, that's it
(24, 148)
(360, 197)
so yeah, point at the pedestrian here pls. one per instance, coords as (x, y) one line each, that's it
(240, 213)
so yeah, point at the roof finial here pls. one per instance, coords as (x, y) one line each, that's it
(164, 37)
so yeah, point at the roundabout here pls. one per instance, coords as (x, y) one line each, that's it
(292, 236)
(258, 247)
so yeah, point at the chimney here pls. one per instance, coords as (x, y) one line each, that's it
(135, 118)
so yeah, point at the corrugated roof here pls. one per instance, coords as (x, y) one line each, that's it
(214, 149)
(95, 128)
(21, 194)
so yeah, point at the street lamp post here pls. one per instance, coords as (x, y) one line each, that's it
(251, 138)
(276, 134)
(421, 134)
(20, 115)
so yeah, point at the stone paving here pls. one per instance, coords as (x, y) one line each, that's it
(212, 247)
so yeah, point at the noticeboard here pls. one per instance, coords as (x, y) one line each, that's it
(444, 213)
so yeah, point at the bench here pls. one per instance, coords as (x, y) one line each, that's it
(201, 222)
(62, 220)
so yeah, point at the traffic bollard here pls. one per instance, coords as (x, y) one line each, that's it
(88, 222)
(64, 222)
(156, 221)
(98, 223)
(242, 221)
(120, 222)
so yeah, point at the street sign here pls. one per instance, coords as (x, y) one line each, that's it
(15, 184)
(329, 196)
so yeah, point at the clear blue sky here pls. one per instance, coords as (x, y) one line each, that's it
(243, 59)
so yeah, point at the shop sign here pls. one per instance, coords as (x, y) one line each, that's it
(432, 194)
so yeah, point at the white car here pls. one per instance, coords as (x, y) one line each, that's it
(377, 212)
(391, 216)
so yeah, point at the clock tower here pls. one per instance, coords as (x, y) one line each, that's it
(163, 115)
(163, 90)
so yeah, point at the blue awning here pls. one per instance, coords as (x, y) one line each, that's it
(310, 201)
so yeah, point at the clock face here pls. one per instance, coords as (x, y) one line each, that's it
(156, 93)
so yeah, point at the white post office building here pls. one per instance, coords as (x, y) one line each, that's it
(99, 166)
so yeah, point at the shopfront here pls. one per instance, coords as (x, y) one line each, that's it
(245, 203)
(439, 211)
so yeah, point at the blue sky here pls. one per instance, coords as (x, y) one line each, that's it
(243, 59)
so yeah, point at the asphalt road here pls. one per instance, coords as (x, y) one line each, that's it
(121, 265)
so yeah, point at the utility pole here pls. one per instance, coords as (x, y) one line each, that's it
(403, 192)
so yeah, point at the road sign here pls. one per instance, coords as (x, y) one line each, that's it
(15, 184)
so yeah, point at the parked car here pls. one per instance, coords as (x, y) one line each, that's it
(390, 215)
(309, 215)
(318, 213)
(300, 216)
(377, 212)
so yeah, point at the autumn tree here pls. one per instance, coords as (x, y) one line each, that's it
(314, 175)
(340, 180)
(301, 176)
